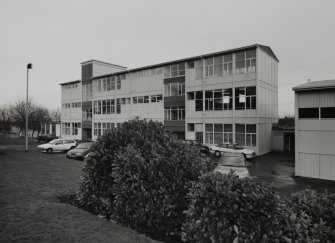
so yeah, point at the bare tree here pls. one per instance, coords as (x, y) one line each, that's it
(55, 115)
(18, 111)
(5, 119)
(38, 115)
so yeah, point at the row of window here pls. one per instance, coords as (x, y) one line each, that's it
(148, 99)
(109, 106)
(174, 113)
(175, 70)
(108, 84)
(71, 86)
(73, 105)
(245, 134)
(100, 128)
(317, 112)
(174, 89)
(222, 99)
(69, 128)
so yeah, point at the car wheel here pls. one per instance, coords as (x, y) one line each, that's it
(49, 150)
(217, 153)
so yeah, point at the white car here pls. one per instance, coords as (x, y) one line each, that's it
(235, 162)
(232, 148)
(58, 145)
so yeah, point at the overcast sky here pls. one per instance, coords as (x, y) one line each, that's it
(56, 36)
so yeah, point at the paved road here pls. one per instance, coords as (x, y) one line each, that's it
(29, 208)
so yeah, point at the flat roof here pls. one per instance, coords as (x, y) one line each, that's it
(266, 49)
(110, 64)
(70, 82)
(313, 85)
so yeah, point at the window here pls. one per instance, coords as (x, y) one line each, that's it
(190, 127)
(140, 99)
(327, 112)
(215, 133)
(213, 66)
(175, 113)
(246, 134)
(227, 65)
(228, 133)
(87, 92)
(118, 82)
(198, 101)
(156, 98)
(190, 95)
(209, 130)
(308, 112)
(118, 106)
(190, 64)
(174, 70)
(97, 107)
(66, 128)
(97, 129)
(87, 114)
(75, 126)
(174, 89)
(245, 62)
(218, 99)
(245, 98)
(76, 105)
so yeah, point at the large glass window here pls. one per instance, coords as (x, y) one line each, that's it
(175, 113)
(228, 133)
(245, 98)
(75, 126)
(87, 114)
(66, 127)
(198, 101)
(174, 89)
(218, 99)
(245, 61)
(227, 65)
(174, 70)
(245, 134)
(97, 107)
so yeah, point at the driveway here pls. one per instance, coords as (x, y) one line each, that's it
(278, 168)
(30, 211)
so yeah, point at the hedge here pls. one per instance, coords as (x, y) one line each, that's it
(140, 176)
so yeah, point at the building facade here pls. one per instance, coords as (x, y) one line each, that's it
(315, 129)
(227, 96)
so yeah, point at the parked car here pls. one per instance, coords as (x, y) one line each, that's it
(230, 148)
(80, 151)
(58, 145)
(46, 137)
(235, 162)
(202, 147)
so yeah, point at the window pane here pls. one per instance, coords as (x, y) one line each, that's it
(174, 113)
(218, 138)
(251, 90)
(218, 127)
(174, 89)
(228, 127)
(198, 105)
(251, 128)
(327, 112)
(308, 112)
(239, 56)
(209, 127)
(208, 94)
(198, 94)
(251, 53)
(240, 128)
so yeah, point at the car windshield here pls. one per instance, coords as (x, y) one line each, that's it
(237, 146)
(53, 141)
(235, 161)
(84, 145)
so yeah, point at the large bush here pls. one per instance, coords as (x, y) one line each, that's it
(140, 176)
(225, 208)
(320, 207)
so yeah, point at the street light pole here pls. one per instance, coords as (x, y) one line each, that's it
(29, 66)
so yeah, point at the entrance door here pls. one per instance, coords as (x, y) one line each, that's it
(289, 143)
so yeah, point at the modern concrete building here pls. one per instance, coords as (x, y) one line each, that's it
(315, 129)
(227, 96)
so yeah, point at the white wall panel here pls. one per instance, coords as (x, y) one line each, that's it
(308, 165)
(327, 167)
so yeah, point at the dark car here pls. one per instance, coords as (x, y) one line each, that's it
(46, 137)
(202, 147)
(80, 151)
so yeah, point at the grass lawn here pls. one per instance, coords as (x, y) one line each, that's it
(30, 210)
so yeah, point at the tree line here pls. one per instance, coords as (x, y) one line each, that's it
(14, 115)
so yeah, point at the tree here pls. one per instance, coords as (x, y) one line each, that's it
(38, 115)
(5, 119)
(18, 111)
(55, 115)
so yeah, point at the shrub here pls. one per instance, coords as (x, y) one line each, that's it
(140, 176)
(225, 208)
(320, 207)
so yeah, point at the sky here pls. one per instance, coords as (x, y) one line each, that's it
(56, 36)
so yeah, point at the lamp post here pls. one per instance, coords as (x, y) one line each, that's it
(29, 66)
